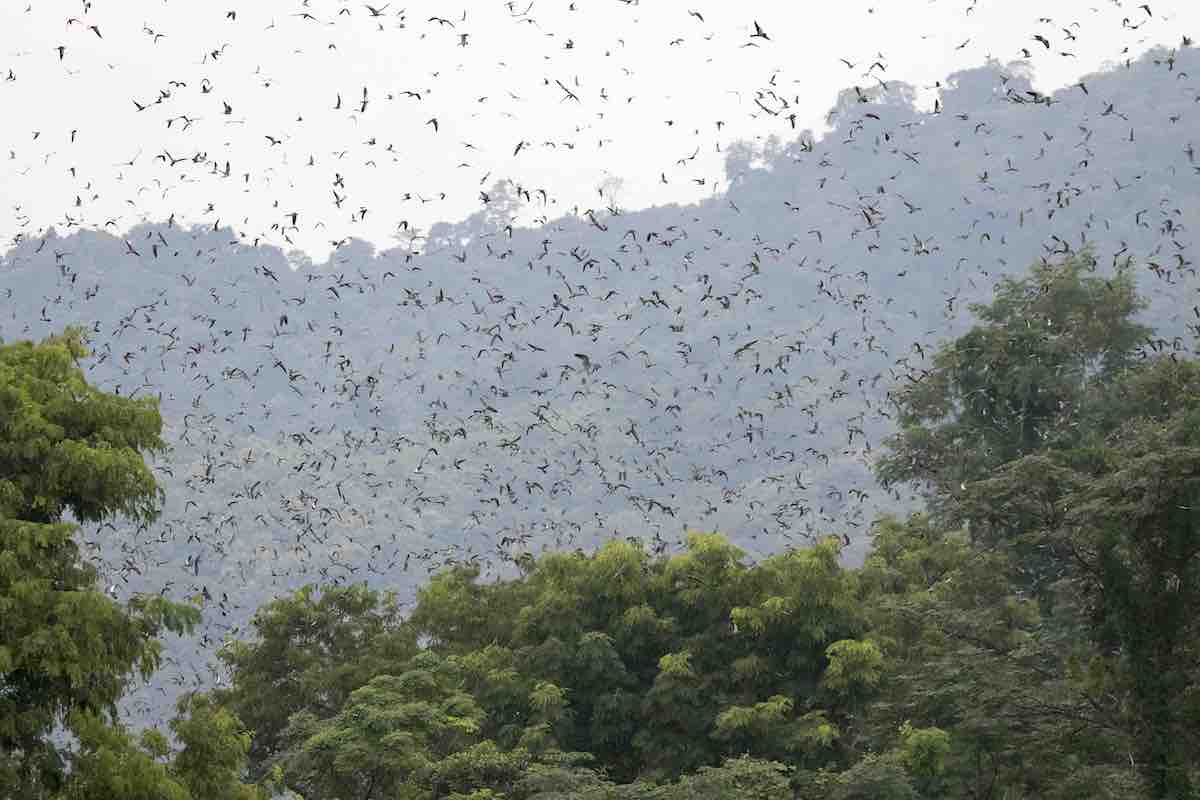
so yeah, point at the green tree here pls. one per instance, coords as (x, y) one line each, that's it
(923, 752)
(966, 654)
(212, 759)
(67, 650)
(110, 763)
(562, 776)
(1119, 512)
(1136, 528)
(1130, 516)
(874, 778)
(744, 778)
(1015, 383)
(310, 652)
(1073, 463)
(417, 733)
(651, 668)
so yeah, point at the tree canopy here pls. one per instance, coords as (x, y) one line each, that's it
(68, 651)
(1032, 633)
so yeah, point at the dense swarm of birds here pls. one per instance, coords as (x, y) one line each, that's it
(534, 377)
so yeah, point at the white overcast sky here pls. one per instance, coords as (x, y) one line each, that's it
(653, 79)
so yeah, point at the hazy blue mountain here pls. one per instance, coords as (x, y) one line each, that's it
(485, 390)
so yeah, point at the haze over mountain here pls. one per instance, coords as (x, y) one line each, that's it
(136, 111)
(486, 389)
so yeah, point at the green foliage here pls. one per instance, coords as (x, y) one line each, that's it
(1115, 516)
(67, 650)
(617, 655)
(1136, 527)
(874, 778)
(109, 763)
(743, 778)
(1016, 383)
(214, 745)
(312, 651)
(65, 445)
(391, 732)
(463, 612)
(853, 665)
(961, 655)
(558, 776)
(924, 750)
(1035, 634)
(1076, 469)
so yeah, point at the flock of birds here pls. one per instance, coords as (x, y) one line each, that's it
(491, 387)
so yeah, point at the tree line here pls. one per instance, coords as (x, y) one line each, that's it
(1031, 633)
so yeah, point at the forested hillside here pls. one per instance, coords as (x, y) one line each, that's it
(599, 400)
(1032, 633)
(530, 379)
